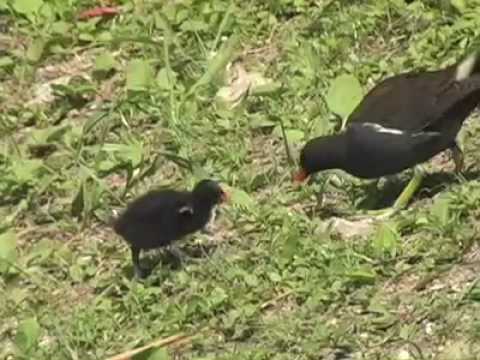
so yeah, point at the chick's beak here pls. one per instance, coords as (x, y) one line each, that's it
(300, 176)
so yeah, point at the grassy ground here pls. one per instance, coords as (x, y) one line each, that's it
(97, 112)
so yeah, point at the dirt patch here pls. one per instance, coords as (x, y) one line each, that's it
(460, 277)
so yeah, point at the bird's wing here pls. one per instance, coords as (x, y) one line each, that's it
(406, 101)
(458, 96)
(186, 210)
(157, 204)
(389, 150)
(387, 143)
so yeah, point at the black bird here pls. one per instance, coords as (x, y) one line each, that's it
(403, 121)
(160, 217)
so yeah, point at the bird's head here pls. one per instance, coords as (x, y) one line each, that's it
(322, 153)
(210, 192)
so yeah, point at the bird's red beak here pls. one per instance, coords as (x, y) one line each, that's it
(300, 176)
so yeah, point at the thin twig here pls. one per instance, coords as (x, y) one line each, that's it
(275, 299)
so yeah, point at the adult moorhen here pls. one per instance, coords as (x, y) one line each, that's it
(403, 121)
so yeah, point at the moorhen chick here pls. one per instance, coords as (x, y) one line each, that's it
(161, 217)
(403, 121)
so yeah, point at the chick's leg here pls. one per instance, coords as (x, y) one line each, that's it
(458, 157)
(140, 272)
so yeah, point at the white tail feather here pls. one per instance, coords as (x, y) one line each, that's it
(466, 67)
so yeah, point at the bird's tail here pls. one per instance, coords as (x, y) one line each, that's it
(468, 66)
(115, 222)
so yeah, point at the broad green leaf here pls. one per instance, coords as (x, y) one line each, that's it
(241, 198)
(78, 203)
(132, 152)
(217, 296)
(39, 252)
(27, 336)
(26, 170)
(386, 239)
(6, 61)
(164, 79)
(106, 165)
(18, 295)
(35, 50)
(440, 210)
(105, 62)
(194, 26)
(218, 63)
(85, 36)
(362, 276)
(61, 27)
(294, 135)
(49, 134)
(459, 5)
(105, 36)
(250, 279)
(275, 277)
(290, 247)
(268, 88)
(344, 95)
(27, 7)
(47, 12)
(139, 75)
(8, 253)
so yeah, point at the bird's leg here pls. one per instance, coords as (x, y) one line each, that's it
(140, 272)
(404, 198)
(458, 158)
(410, 189)
(176, 252)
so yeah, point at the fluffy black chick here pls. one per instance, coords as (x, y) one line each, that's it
(161, 217)
(403, 121)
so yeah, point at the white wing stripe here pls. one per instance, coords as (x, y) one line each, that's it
(381, 129)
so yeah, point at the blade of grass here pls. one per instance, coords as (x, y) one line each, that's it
(218, 63)
(222, 25)
(168, 36)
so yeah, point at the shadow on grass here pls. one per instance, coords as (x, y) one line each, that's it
(375, 198)
(171, 259)
(431, 186)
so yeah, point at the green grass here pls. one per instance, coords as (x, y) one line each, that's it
(133, 106)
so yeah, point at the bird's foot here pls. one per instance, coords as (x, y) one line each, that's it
(383, 214)
(402, 200)
(380, 214)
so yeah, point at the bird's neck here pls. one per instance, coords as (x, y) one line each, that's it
(334, 152)
(202, 204)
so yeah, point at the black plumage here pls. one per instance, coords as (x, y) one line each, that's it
(161, 217)
(403, 121)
